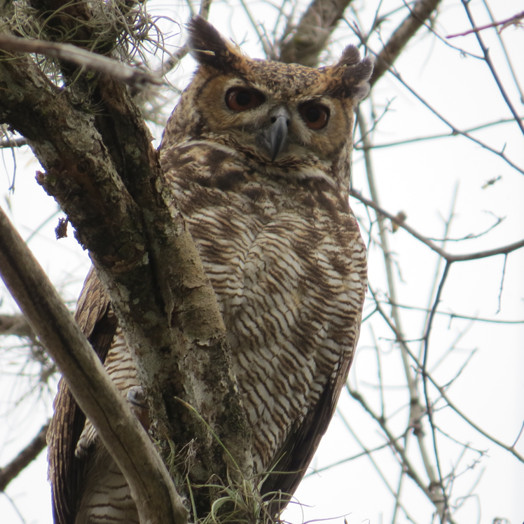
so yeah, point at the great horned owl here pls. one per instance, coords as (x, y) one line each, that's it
(257, 155)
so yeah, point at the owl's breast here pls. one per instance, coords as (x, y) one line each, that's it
(290, 280)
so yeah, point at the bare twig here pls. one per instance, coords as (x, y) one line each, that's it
(443, 507)
(503, 250)
(491, 66)
(453, 129)
(365, 451)
(416, 410)
(510, 448)
(268, 51)
(399, 450)
(438, 490)
(175, 58)
(504, 23)
(369, 454)
(425, 138)
(457, 315)
(503, 46)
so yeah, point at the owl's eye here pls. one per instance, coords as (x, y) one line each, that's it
(315, 115)
(242, 98)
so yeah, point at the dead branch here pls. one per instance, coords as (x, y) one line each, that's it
(80, 57)
(399, 450)
(442, 391)
(512, 20)
(16, 325)
(451, 134)
(443, 508)
(175, 58)
(491, 66)
(378, 468)
(418, 15)
(454, 130)
(449, 257)
(24, 458)
(435, 491)
(312, 32)
(18, 141)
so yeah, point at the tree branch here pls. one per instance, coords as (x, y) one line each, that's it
(491, 67)
(442, 502)
(16, 325)
(453, 129)
(24, 458)
(375, 464)
(87, 379)
(442, 392)
(313, 31)
(449, 257)
(80, 57)
(415, 406)
(418, 14)
(404, 460)
(105, 174)
(512, 20)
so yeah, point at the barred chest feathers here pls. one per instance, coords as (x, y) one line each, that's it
(256, 156)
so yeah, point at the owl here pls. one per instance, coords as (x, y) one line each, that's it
(256, 156)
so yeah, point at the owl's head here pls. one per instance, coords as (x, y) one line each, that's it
(289, 119)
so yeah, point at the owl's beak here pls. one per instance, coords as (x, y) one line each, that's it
(275, 136)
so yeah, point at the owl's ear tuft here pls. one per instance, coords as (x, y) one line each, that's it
(208, 46)
(350, 56)
(351, 74)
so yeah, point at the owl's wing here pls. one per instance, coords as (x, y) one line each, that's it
(98, 323)
(300, 446)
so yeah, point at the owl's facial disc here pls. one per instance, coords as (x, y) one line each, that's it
(274, 136)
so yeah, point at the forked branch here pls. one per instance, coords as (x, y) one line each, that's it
(87, 379)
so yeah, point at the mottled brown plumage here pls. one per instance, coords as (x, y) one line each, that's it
(257, 155)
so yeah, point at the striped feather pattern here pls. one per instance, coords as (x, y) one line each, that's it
(107, 498)
(290, 278)
(282, 250)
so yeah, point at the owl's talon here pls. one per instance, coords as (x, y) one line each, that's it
(138, 403)
(137, 397)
